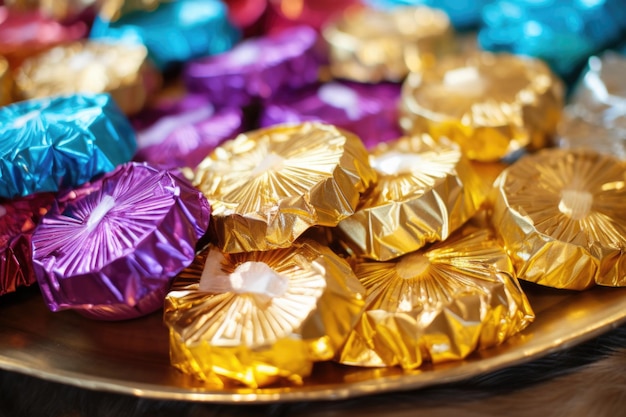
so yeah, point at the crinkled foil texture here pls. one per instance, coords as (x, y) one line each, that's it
(97, 67)
(368, 110)
(438, 304)
(368, 45)
(268, 186)
(111, 248)
(426, 189)
(18, 219)
(25, 34)
(181, 132)
(257, 68)
(6, 83)
(61, 142)
(257, 334)
(174, 32)
(493, 105)
(560, 214)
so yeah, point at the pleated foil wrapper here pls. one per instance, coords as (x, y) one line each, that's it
(6, 83)
(257, 318)
(560, 215)
(96, 67)
(175, 32)
(256, 68)
(180, 132)
(576, 131)
(438, 304)
(426, 189)
(23, 34)
(493, 105)
(368, 45)
(111, 248)
(268, 186)
(61, 142)
(18, 219)
(368, 110)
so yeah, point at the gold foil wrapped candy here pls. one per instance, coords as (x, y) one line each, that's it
(491, 104)
(6, 82)
(58, 10)
(268, 186)
(114, 9)
(426, 189)
(560, 214)
(95, 67)
(259, 317)
(437, 304)
(370, 45)
(576, 132)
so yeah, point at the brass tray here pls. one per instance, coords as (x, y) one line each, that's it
(132, 357)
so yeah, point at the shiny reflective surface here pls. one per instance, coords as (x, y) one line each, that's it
(132, 357)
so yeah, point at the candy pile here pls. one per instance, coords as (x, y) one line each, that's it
(347, 181)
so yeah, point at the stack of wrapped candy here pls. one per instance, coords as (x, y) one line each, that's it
(346, 183)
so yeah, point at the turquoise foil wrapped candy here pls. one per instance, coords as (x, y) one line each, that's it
(61, 142)
(175, 32)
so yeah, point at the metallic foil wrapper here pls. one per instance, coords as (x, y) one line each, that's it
(65, 10)
(246, 13)
(368, 110)
(256, 68)
(426, 189)
(259, 317)
(61, 142)
(284, 14)
(268, 186)
(175, 32)
(564, 33)
(26, 34)
(493, 105)
(367, 45)
(18, 219)
(437, 304)
(575, 131)
(6, 83)
(96, 67)
(175, 133)
(114, 9)
(110, 249)
(560, 215)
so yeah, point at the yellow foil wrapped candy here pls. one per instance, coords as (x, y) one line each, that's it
(259, 317)
(560, 214)
(96, 67)
(426, 189)
(268, 186)
(437, 304)
(370, 45)
(491, 104)
(6, 83)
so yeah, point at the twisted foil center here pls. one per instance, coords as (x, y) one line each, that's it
(576, 204)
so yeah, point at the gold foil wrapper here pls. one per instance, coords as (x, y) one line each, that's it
(426, 189)
(57, 9)
(96, 67)
(560, 214)
(256, 318)
(491, 104)
(114, 9)
(370, 45)
(437, 304)
(268, 186)
(6, 83)
(576, 132)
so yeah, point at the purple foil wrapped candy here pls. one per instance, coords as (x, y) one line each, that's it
(182, 132)
(18, 219)
(256, 68)
(368, 110)
(110, 248)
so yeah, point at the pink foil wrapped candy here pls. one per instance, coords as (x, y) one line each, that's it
(110, 249)
(256, 68)
(182, 132)
(368, 110)
(18, 219)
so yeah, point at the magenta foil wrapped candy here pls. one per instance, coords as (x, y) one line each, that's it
(256, 68)
(178, 133)
(110, 248)
(18, 219)
(368, 110)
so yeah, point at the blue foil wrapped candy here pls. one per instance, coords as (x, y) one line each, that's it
(175, 32)
(61, 142)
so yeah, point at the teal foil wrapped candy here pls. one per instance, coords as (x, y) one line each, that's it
(61, 142)
(175, 32)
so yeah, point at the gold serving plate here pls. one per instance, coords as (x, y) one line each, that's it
(131, 357)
